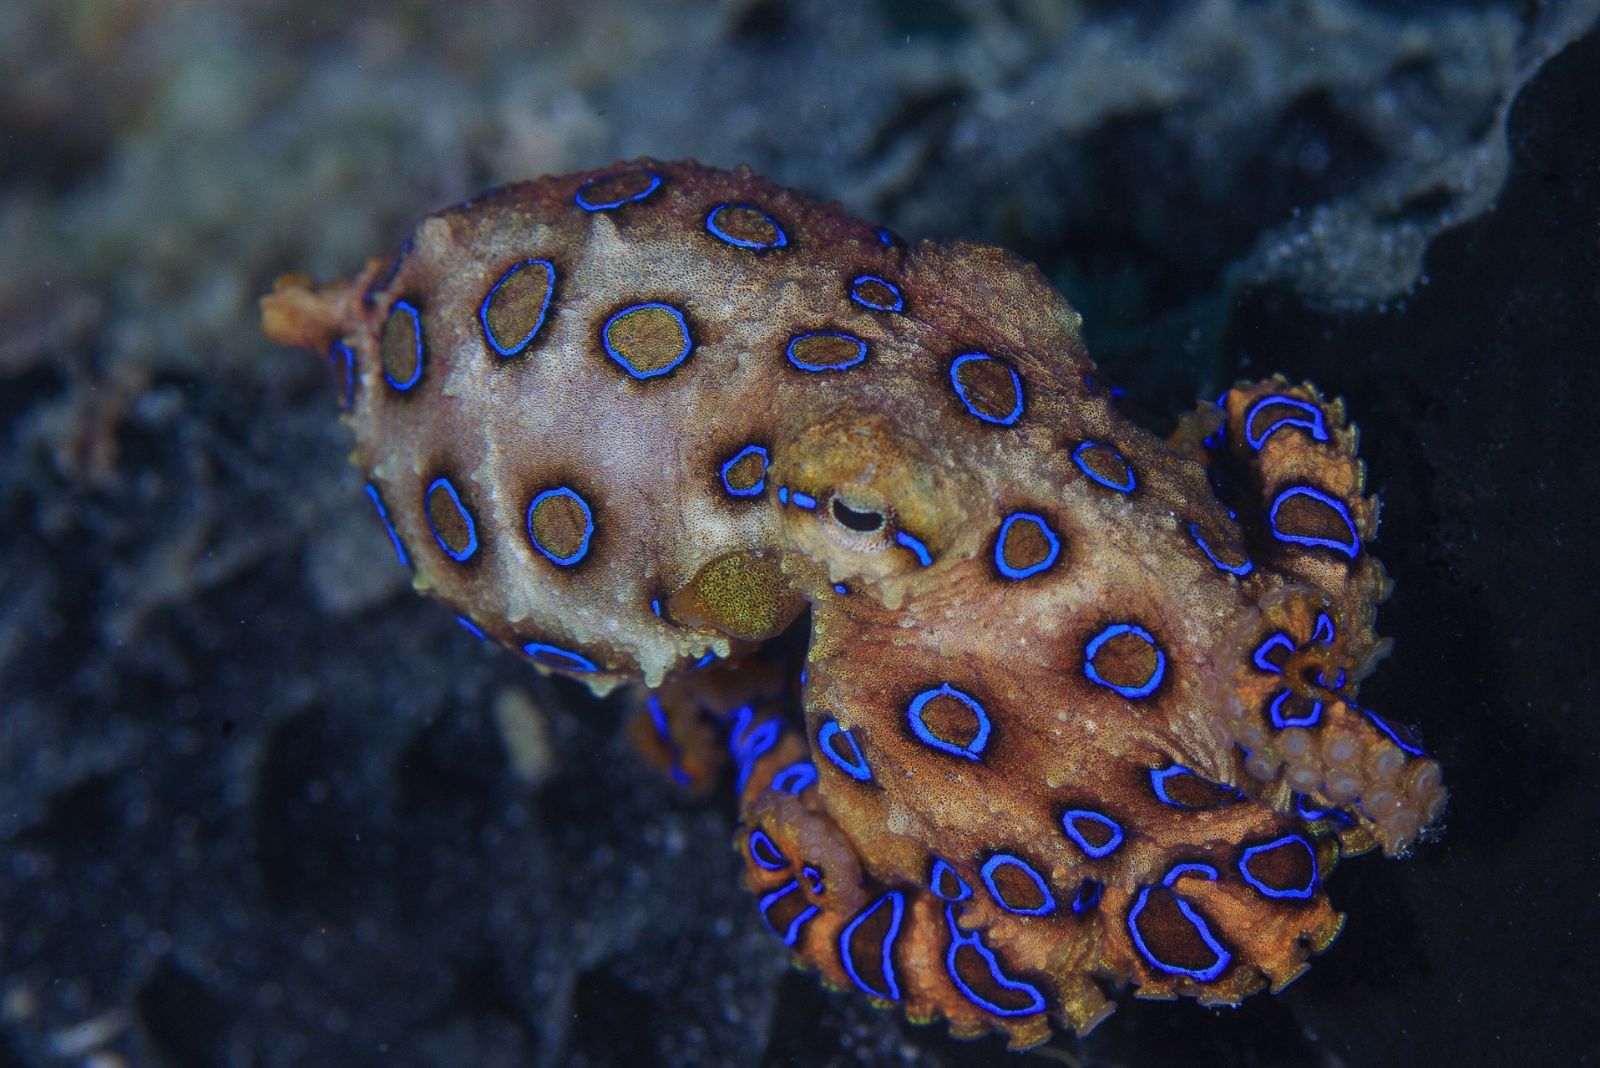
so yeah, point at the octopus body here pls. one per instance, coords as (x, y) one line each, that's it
(1072, 707)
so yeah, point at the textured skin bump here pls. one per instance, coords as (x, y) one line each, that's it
(1077, 708)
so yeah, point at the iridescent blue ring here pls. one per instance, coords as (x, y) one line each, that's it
(795, 778)
(1120, 487)
(1144, 689)
(556, 657)
(1257, 437)
(918, 549)
(936, 882)
(1349, 547)
(1300, 892)
(622, 361)
(765, 852)
(588, 205)
(855, 293)
(1032, 569)
(383, 514)
(974, 941)
(461, 510)
(815, 368)
(1047, 904)
(731, 462)
(405, 307)
(896, 901)
(1223, 957)
(973, 749)
(857, 767)
(1069, 821)
(507, 351)
(779, 241)
(1233, 569)
(1010, 417)
(588, 526)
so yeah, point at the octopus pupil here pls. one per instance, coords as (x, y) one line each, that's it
(865, 522)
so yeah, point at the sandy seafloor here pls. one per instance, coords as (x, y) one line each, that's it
(260, 805)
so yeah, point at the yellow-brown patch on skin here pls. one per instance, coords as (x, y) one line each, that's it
(399, 345)
(989, 387)
(447, 520)
(515, 307)
(559, 525)
(742, 594)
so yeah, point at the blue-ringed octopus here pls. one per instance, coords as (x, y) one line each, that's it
(1023, 704)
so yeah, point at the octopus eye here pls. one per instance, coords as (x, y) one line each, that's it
(862, 521)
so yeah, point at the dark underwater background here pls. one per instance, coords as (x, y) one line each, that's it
(262, 806)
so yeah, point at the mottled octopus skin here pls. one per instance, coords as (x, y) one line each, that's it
(1079, 707)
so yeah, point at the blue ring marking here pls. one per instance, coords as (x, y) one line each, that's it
(1240, 569)
(703, 661)
(1393, 735)
(761, 739)
(347, 386)
(416, 334)
(765, 853)
(1087, 896)
(383, 514)
(716, 231)
(1190, 868)
(899, 298)
(1069, 821)
(1311, 814)
(1006, 860)
(897, 902)
(813, 879)
(861, 352)
(1257, 437)
(472, 528)
(736, 734)
(888, 237)
(588, 526)
(783, 494)
(471, 628)
(622, 361)
(1301, 892)
(1322, 679)
(1223, 957)
(658, 718)
(980, 738)
(1033, 569)
(1120, 487)
(840, 588)
(507, 351)
(792, 932)
(1279, 720)
(1324, 631)
(728, 465)
(1158, 786)
(924, 558)
(795, 779)
(856, 769)
(936, 880)
(1349, 548)
(588, 205)
(803, 500)
(1146, 688)
(961, 392)
(1276, 640)
(974, 940)
(556, 657)
(655, 607)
